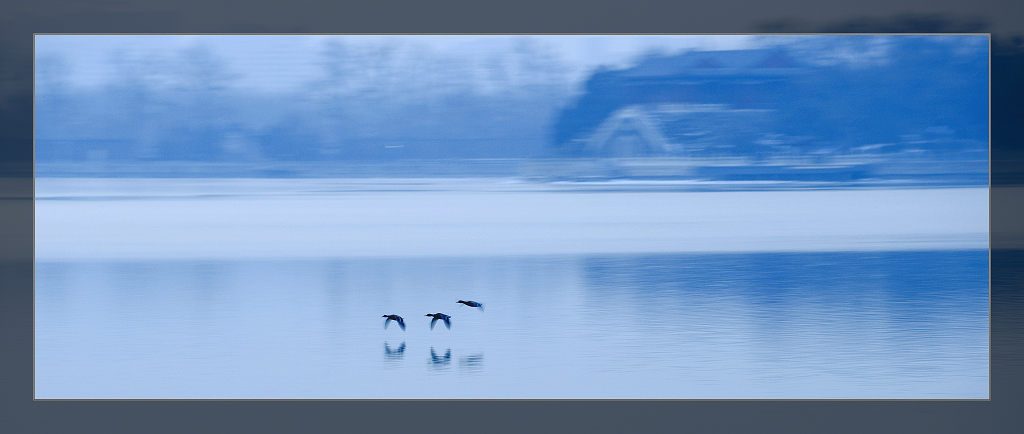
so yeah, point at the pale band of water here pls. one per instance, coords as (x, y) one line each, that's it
(204, 219)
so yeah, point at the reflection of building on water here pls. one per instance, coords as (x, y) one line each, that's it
(394, 354)
(437, 361)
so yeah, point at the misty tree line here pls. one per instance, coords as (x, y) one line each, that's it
(389, 101)
(381, 101)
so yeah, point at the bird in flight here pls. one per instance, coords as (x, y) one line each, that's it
(440, 316)
(401, 322)
(471, 304)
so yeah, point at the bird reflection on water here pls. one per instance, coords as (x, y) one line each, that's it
(474, 363)
(440, 361)
(395, 354)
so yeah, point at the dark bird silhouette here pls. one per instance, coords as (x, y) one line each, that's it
(472, 304)
(440, 316)
(401, 322)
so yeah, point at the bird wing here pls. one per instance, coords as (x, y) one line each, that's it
(432, 322)
(401, 323)
(481, 306)
(448, 323)
(386, 322)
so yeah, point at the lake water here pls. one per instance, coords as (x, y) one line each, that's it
(188, 289)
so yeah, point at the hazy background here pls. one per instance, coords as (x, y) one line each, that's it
(257, 99)
(904, 16)
(729, 107)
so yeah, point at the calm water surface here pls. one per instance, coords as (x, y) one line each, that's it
(897, 324)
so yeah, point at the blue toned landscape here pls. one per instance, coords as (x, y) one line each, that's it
(642, 217)
(863, 325)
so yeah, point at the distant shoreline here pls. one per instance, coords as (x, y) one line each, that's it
(696, 174)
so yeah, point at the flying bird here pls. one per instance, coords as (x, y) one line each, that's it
(440, 316)
(401, 322)
(472, 304)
